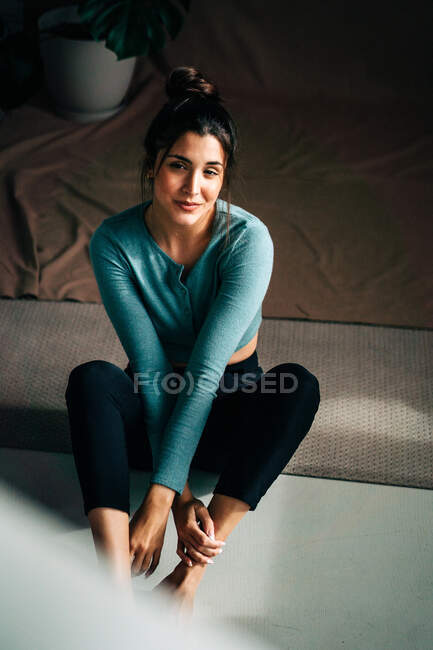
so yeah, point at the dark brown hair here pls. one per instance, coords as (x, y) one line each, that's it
(194, 104)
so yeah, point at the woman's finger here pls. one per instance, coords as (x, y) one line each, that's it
(183, 556)
(207, 546)
(201, 543)
(196, 556)
(206, 522)
(204, 551)
(141, 563)
(136, 562)
(154, 563)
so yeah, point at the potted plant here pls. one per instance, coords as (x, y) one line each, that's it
(88, 51)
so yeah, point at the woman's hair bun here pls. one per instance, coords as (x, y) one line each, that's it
(185, 81)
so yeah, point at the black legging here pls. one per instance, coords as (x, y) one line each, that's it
(248, 439)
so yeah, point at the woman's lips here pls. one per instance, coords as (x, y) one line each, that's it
(188, 207)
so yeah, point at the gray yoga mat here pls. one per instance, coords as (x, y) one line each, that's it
(375, 419)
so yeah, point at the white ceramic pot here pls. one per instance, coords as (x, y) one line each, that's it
(85, 80)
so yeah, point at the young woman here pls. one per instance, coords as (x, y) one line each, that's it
(182, 277)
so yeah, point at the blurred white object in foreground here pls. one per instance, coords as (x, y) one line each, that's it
(54, 601)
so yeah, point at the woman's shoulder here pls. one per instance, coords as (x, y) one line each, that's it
(249, 236)
(128, 215)
(242, 219)
(122, 225)
(239, 214)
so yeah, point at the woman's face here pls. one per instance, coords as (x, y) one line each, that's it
(192, 173)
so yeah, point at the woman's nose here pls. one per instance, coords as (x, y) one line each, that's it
(192, 184)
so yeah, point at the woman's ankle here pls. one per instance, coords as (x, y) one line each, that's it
(189, 577)
(116, 566)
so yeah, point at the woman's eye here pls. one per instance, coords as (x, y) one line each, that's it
(179, 165)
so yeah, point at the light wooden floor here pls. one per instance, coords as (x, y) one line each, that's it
(320, 564)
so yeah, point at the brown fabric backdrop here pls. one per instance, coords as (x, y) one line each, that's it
(336, 158)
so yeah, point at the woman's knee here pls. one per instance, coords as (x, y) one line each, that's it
(90, 374)
(292, 377)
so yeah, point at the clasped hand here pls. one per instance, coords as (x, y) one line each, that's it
(147, 530)
(146, 536)
(200, 545)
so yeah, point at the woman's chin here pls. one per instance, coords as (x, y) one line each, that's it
(183, 216)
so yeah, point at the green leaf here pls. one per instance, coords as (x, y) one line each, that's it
(100, 17)
(131, 27)
(105, 21)
(170, 16)
(155, 29)
(126, 43)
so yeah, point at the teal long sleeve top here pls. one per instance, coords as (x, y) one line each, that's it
(200, 321)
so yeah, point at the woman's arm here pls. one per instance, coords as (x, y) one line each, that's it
(186, 495)
(129, 317)
(245, 276)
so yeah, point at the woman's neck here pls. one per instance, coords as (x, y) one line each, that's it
(174, 237)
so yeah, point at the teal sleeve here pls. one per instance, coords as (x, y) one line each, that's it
(126, 310)
(245, 278)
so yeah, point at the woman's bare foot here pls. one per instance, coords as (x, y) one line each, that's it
(181, 584)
